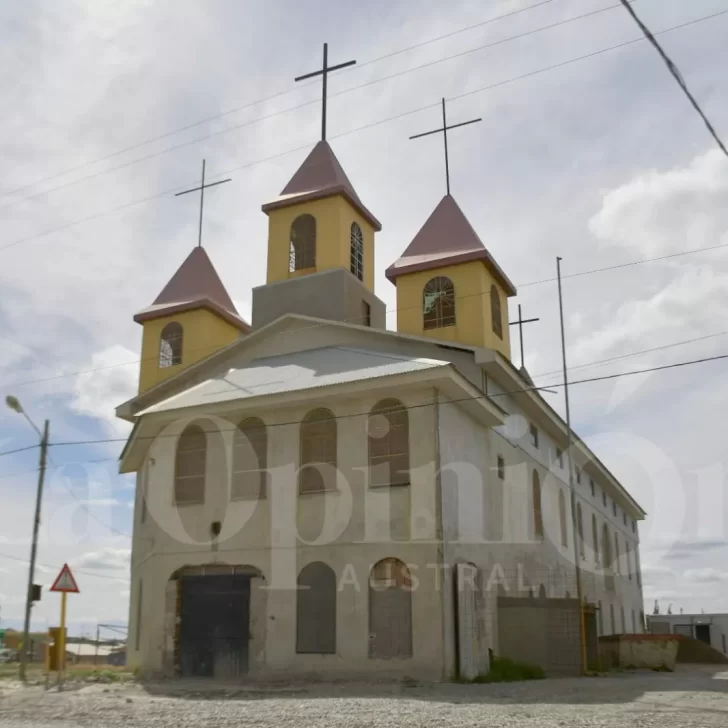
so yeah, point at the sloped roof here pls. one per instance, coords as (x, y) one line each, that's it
(294, 372)
(446, 238)
(196, 284)
(320, 175)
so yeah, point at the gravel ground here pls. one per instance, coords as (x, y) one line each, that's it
(689, 698)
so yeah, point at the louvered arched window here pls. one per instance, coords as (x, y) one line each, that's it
(170, 345)
(537, 509)
(388, 430)
(562, 519)
(438, 303)
(303, 243)
(190, 465)
(495, 312)
(357, 251)
(318, 464)
(595, 539)
(250, 455)
(580, 529)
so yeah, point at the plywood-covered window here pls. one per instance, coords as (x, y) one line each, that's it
(617, 564)
(170, 345)
(390, 610)
(250, 460)
(388, 430)
(357, 251)
(303, 243)
(438, 303)
(190, 465)
(316, 610)
(595, 539)
(580, 529)
(495, 312)
(536, 505)
(562, 519)
(317, 471)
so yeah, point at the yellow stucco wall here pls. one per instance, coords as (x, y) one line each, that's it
(473, 325)
(204, 333)
(334, 216)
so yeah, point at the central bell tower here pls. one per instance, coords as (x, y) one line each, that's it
(320, 242)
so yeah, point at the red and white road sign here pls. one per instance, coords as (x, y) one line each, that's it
(65, 582)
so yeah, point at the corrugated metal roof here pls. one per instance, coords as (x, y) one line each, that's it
(296, 371)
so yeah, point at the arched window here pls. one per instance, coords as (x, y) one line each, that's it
(611, 619)
(630, 565)
(170, 345)
(595, 539)
(388, 430)
(562, 519)
(303, 243)
(537, 511)
(357, 251)
(190, 465)
(317, 470)
(495, 312)
(250, 460)
(622, 623)
(316, 610)
(607, 564)
(438, 303)
(390, 610)
(617, 565)
(580, 529)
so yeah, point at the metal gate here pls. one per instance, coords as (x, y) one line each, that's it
(214, 625)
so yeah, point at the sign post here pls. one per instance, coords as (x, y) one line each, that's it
(65, 584)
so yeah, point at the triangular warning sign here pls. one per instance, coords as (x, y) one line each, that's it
(65, 582)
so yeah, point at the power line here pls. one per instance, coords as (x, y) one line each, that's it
(20, 449)
(280, 112)
(77, 571)
(605, 377)
(388, 311)
(676, 74)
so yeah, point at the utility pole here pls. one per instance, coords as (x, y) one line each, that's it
(572, 489)
(14, 404)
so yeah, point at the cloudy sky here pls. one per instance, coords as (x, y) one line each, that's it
(110, 107)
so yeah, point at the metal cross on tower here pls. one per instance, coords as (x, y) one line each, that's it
(520, 323)
(324, 72)
(201, 190)
(445, 128)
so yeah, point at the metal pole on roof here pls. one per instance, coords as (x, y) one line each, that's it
(572, 488)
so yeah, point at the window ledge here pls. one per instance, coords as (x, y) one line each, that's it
(179, 504)
(318, 492)
(390, 485)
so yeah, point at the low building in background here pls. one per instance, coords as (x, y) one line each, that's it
(709, 628)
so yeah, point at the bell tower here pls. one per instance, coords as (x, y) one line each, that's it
(320, 242)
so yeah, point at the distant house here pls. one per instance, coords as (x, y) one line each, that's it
(82, 653)
(709, 628)
(118, 656)
(38, 643)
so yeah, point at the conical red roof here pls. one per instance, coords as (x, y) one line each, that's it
(320, 175)
(446, 238)
(195, 284)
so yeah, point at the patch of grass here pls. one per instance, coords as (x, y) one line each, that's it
(662, 668)
(504, 670)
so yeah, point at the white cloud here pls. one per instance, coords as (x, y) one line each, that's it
(706, 574)
(105, 558)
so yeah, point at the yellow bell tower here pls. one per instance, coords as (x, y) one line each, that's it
(449, 286)
(318, 223)
(191, 319)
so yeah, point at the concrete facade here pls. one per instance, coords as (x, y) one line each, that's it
(643, 651)
(333, 294)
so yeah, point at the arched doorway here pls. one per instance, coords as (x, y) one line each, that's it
(212, 620)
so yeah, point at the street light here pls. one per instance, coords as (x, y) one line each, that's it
(14, 404)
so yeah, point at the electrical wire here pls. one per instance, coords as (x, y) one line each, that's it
(316, 101)
(603, 378)
(19, 449)
(358, 129)
(675, 74)
(76, 571)
(270, 98)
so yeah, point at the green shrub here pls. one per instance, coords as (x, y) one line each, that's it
(504, 670)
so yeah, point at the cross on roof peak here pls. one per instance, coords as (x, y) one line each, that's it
(324, 73)
(444, 129)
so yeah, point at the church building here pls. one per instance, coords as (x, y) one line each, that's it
(320, 496)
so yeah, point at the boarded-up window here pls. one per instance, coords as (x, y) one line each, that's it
(630, 567)
(250, 449)
(318, 452)
(438, 303)
(390, 610)
(595, 539)
(316, 610)
(170, 345)
(389, 443)
(357, 251)
(303, 243)
(189, 467)
(580, 529)
(537, 510)
(562, 519)
(617, 565)
(495, 312)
